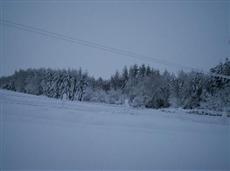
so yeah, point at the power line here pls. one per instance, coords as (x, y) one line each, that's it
(90, 44)
(87, 43)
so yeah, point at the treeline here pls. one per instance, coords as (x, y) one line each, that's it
(140, 86)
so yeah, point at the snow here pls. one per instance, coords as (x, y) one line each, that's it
(41, 133)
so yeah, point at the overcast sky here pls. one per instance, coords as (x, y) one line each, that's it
(190, 34)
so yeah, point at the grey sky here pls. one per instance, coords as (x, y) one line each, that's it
(188, 33)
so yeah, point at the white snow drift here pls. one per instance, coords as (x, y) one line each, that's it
(43, 133)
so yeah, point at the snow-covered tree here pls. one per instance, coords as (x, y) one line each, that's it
(142, 86)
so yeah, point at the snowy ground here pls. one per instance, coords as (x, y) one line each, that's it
(42, 133)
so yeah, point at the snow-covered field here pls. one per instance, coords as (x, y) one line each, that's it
(42, 133)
